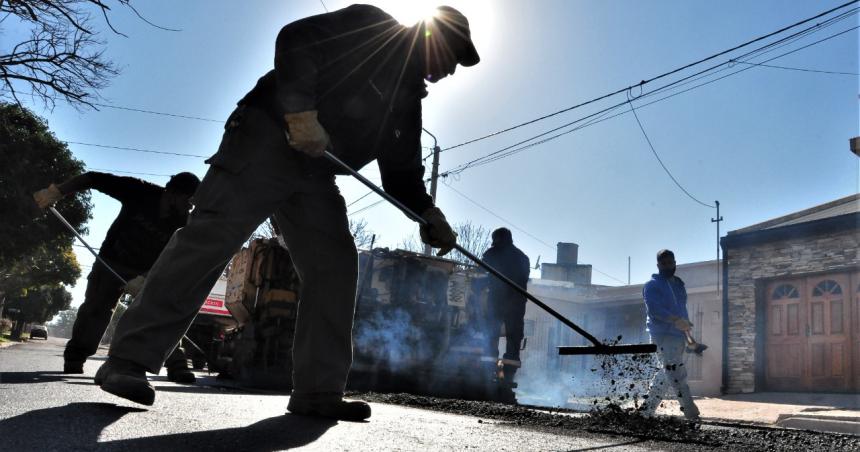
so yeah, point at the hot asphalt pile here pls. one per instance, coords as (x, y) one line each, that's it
(612, 420)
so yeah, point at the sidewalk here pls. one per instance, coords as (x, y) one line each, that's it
(838, 413)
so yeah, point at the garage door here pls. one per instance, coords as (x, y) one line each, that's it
(811, 333)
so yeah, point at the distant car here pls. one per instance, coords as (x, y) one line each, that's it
(39, 331)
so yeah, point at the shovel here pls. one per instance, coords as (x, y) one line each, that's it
(597, 347)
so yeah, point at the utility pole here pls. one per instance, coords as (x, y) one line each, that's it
(434, 177)
(718, 220)
(628, 270)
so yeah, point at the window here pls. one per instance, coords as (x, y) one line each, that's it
(828, 286)
(785, 291)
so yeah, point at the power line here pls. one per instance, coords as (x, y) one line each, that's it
(657, 156)
(130, 172)
(497, 216)
(367, 207)
(518, 228)
(643, 82)
(136, 149)
(798, 69)
(360, 198)
(161, 113)
(120, 107)
(493, 156)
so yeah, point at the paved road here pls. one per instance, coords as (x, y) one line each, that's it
(42, 409)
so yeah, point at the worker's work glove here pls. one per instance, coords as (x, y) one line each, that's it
(306, 133)
(134, 285)
(47, 197)
(437, 232)
(682, 324)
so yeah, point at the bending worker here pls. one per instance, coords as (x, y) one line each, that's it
(350, 81)
(506, 305)
(149, 216)
(668, 323)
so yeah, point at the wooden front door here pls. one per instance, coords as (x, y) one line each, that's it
(829, 333)
(813, 334)
(785, 343)
(855, 328)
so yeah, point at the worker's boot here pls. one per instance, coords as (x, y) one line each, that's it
(510, 372)
(330, 405)
(125, 379)
(73, 367)
(181, 374)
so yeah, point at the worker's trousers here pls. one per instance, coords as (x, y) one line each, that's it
(673, 374)
(511, 313)
(253, 175)
(94, 315)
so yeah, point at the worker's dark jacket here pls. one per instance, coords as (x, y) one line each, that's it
(139, 232)
(358, 68)
(513, 263)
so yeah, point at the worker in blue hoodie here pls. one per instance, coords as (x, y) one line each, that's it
(668, 323)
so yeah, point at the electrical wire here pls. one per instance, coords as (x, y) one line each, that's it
(360, 198)
(690, 79)
(129, 172)
(496, 215)
(136, 149)
(799, 69)
(657, 156)
(161, 113)
(644, 82)
(367, 207)
(518, 228)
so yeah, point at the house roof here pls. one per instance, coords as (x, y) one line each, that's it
(842, 206)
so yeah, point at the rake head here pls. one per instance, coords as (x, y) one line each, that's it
(623, 349)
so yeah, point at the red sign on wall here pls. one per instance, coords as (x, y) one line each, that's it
(214, 306)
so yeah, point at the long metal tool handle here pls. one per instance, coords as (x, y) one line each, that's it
(102, 261)
(409, 213)
(74, 231)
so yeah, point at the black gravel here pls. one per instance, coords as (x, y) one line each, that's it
(614, 421)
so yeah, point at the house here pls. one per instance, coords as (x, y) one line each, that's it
(791, 292)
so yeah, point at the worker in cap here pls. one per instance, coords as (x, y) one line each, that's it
(351, 82)
(149, 216)
(506, 306)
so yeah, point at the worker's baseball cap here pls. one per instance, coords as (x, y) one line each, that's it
(454, 25)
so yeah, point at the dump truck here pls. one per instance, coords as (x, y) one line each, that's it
(420, 324)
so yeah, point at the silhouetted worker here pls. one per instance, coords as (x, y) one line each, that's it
(149, 216)
(668, 322)
(350, 81)
(506, 305)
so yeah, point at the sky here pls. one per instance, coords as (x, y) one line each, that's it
(764, 142)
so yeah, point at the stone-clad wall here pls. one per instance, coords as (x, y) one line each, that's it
(747, 264)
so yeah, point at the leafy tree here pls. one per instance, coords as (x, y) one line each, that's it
(60, 54)
(35, 248)
(38, 305)
(61, 325)
(31, 158)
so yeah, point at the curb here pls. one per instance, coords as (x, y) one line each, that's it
(831, 424)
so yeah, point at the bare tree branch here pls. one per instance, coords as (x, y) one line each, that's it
(62, 58)
(362, 235)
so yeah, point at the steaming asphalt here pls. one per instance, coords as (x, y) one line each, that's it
(41, 409)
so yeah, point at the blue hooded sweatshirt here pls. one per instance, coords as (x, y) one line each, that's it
(665, 298)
